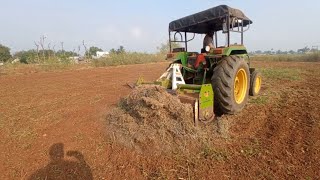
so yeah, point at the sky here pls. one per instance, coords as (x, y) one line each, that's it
(142, 25)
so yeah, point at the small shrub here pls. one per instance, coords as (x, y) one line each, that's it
(259, 100)
(214, 154)
(127, 58)
(313, 57)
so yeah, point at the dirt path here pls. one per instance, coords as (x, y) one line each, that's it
(276, 136)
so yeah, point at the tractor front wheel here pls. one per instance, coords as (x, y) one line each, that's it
(230, 82)
(255, 83)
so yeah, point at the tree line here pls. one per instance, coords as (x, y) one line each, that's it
(44, 52)
(298, 51)
(41, 55)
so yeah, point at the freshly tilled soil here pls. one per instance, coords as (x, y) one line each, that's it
(276, 136)
(151, 119)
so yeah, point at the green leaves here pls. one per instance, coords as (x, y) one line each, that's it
(4, 53)
(93, 51)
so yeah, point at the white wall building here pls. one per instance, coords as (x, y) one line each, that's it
(101, 54)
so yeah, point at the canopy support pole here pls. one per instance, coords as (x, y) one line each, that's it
(242, 32)
(228, 28)
(185, 41)
(170, 50)
(216, 38)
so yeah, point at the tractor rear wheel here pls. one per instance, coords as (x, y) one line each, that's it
(230, 82)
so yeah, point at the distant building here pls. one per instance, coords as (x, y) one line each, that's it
(101, 54)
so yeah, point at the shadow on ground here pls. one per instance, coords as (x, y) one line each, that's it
(61, 168)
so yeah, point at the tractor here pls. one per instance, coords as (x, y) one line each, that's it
(219, 78)
(226, 67)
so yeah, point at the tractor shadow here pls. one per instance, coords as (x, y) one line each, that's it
(61, 168)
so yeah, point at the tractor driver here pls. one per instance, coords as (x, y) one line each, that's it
(208, 40)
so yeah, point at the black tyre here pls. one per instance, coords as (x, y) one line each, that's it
(230, 82)
(255, 83)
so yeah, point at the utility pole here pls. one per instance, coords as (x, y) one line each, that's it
(54, 51)
(42, 38)
(37, 46)
(49, 50)
(62, 49)
(85, 49)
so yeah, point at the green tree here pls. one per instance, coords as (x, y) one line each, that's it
(258, 52)
(113, 51)
(47, 53)
(165, 47)
(26, 57)
(291, 52)
(93, 51)
(118, 51)
(4, 53)
(66, 54)
(121, 50)
(267, 52)
(304, 50)
(279, 52)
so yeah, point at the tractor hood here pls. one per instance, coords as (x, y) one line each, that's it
(208, 20)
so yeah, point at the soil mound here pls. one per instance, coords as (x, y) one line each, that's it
(150, 117)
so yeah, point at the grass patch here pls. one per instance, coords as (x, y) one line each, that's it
(24, 136)
(252, 149)
(313, 57)
(54, 64)
(276, 73)
(127, 58)
(214, 154)
(259, 100)
(9, 68)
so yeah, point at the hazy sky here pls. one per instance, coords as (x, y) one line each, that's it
(141, 25)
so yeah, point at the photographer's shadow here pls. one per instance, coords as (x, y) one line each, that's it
(61, 168)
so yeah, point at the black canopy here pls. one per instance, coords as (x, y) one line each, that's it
(208, 20)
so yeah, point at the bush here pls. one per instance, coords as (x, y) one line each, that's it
(26, 57)
(313, 57)
(4, 53)
(127, 58)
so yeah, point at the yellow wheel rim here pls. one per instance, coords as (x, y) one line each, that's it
(240, 86)
(257, 84)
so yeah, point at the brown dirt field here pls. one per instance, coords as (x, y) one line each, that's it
(275, 137)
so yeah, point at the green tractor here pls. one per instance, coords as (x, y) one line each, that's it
(226, 68)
